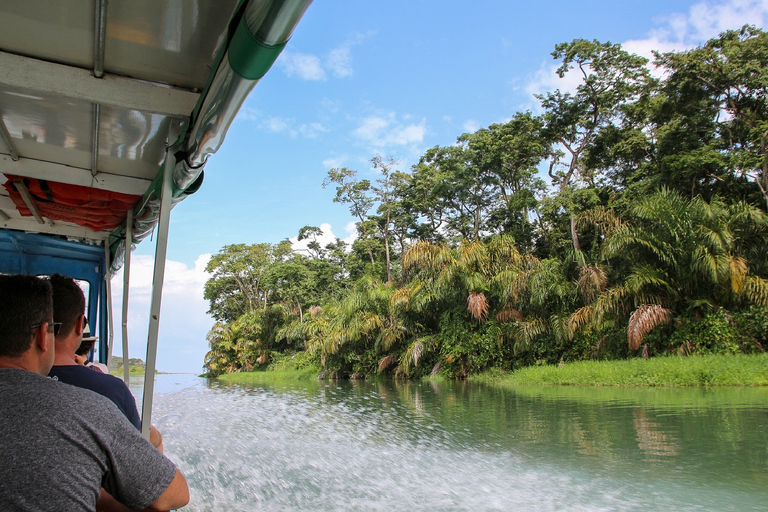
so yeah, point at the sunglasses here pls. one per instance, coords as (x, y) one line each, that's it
(55, 325)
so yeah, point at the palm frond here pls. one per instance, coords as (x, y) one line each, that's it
(756, 289)
(593, 279)
(509, 314)
(526, 332)
(416, 350)
(643, 320)
(386, 362)
(478, 306)
(603, 218)
(738, 273)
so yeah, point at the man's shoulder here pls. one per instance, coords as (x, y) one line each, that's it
(106, 385)
(26, 382)
(102, 383)
(78, 375)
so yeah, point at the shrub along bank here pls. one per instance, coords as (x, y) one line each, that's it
(708, 370)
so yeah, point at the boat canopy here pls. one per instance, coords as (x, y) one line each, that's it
(109, 111)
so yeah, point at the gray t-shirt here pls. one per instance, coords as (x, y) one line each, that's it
(61, 444)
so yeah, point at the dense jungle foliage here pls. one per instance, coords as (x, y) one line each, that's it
(628, 219)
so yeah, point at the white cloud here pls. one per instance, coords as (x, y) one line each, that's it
(471, 126)
(184, 322)
(312, 130)
(675, 32)
(330, 106)
(277, 124)
(707, 19)
(546, 79)
(326, 238)
(387, 131)
(303, 65)
(249, 114)
(332, 163)
(337, 61)
(340, 61)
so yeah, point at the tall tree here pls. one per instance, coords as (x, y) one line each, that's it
(610, 79)
(313, 246)
(355, 193)
(385, 191)
(724, 85)
(237, 283)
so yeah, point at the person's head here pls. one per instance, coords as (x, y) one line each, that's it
(68, 304)
(25, 305)
(85, 347)
(87, 342)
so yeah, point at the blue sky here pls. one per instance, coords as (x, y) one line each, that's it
(361, 78)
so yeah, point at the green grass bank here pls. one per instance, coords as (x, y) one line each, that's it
(710, 370)
(283, 367)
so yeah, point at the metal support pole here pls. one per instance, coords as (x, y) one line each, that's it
(126, 281)
(95, 140)
(157, 289)
(99, 38)
(110, 319)
(8, 141)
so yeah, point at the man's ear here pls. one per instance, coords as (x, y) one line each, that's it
(41, 338)
(79, 325)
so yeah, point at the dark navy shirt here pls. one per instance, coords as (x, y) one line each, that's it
(103, 384)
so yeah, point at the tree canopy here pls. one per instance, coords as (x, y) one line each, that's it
(627, 219)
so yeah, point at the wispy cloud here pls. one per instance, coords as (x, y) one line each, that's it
(302, 65)
(284, 125)
(674, 32)
(387, 130)
(326, 238)
(184, 321)
(337, 161)
(703, 21)
(471, 126)
(337, 62)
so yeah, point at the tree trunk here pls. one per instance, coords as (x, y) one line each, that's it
(574, 234)
(386, 250)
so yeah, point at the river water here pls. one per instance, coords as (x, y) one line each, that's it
(314, 446)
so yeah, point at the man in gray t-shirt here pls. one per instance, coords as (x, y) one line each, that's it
(61, 444)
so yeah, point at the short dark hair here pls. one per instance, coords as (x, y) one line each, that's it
(85, 347)
(68, 302)
(24, 301)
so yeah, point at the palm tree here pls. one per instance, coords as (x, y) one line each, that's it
(677, 256)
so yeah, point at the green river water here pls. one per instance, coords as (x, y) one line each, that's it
(458, 446)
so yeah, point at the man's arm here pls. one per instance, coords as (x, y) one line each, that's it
(175, 496)
(156, 438)
(106, 503)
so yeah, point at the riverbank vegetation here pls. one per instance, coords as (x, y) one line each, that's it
(135, 366)
(626, 221)
(709, 370)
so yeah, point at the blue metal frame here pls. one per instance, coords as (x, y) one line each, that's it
(34, 254)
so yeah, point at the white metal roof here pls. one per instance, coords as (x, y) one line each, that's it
(63, 124)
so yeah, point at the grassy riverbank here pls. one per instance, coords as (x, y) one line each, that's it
(712, 370)
(283, 367)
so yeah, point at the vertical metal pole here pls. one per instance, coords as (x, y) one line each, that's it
(126, 281)
(110, 320)
(157, 289)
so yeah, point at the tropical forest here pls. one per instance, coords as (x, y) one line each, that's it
(622, 217)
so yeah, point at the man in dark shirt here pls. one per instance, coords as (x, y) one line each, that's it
(62, 444)
(69, 309)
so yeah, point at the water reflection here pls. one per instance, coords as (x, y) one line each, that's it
(457, 446)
